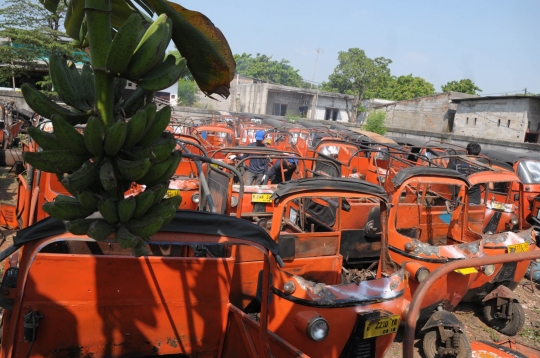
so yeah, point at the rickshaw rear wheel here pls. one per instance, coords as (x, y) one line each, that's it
(432, 341)
(507, 327)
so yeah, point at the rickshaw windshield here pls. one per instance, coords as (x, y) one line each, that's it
(529, 171)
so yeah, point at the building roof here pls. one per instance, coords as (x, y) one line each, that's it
(458, 100)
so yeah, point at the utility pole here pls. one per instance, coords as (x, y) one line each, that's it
(525, 91)
(12, 68)
(319, 50)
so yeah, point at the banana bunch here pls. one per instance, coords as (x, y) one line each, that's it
(99, 165)
(77, 90)
(147, 45)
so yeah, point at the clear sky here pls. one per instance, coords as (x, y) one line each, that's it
(495, 43)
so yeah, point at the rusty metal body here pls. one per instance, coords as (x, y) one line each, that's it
(442, 271)
(95, 299)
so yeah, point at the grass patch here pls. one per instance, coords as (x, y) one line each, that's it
(531, 333)
(493, 334)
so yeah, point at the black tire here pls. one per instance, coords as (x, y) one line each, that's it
(509, 328)
(432, 340)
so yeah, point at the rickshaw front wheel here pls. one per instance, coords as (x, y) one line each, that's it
(432, 342)
(507, 326)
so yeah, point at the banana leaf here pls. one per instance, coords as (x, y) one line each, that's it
(209, 57)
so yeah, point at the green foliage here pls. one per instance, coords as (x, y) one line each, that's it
(357, 75)
(264, 68)
(293, 118)
(463, 86)
(409, 87)
(186, 93)
(35, 34)
(375, 122)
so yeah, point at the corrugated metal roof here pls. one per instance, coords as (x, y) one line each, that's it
(457, 100)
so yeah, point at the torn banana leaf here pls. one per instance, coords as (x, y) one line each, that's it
(209, 57)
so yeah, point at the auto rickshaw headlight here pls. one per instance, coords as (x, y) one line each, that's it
(514, 220)
(196, 198)
(234, 201)
(382, 179)
(313, 324)
(488, 270)
(417, 271)
(289, 287)
(317, 329)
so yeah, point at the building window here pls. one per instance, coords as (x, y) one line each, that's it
(280, 109)
(508, 124)
(467, 121)
(499, 124)
(475, 121)
(331, 114)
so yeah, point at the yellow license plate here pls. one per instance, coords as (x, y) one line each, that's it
(497, 206)
(171, 193)
(261, 198)
(524, 247)
(381, 326)
(466, 270)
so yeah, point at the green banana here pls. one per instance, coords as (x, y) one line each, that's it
(87, 78)
(156, 171)
(107, 176)
(42, 105)
(169, 172)
(144, 227)
(54, 161)
(45, 140)
(65, 210)
(79, 226)
(100, 230)
(67, 134)
(115, 137)
(77, 83)
(93, 136)
(74, 19)
(164, 75)
(123, 45)
(126, 208)
(160, 123)
(136, 127)
(158, 151)
(151, 49)
(143, 201)
(60, 177)
(134, 102)
(133, 170)
(150, 110)
(83, 177)
(119, 87)
(160, 191)
(108, 208)
(126, 239)
(165, 209)
(63, 83)
(88, 200)
(66, 198)
(139, 249)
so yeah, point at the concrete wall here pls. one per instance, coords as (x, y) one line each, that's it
(501, 119)
(292, 99)
(432, 113)
(15, 96)
(324, 102)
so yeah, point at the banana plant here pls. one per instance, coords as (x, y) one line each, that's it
(123, 140)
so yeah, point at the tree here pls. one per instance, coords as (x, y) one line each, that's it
(375, 122)
(463, 86)
(264, 68)
(356, 75)
(33, 35)
(186, 92)
(409, 87)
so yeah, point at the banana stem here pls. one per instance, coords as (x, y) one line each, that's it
(98, 17)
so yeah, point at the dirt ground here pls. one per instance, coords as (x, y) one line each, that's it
(475, 328)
